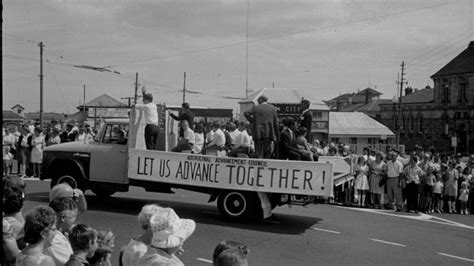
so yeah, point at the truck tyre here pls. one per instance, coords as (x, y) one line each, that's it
(240, 205)
(73, 178)
(103, 193)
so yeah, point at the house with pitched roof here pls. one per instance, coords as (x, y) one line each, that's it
(442, 116)
(348, 100)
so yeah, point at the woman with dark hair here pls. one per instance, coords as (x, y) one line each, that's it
(40, 224)
(12, 221)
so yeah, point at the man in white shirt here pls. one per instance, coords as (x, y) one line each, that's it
(218, 139)
(242, 142)
(233, 133)
(394, 190)
(151, 119)
(187, 141)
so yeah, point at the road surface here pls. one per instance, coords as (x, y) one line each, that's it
(316, 235)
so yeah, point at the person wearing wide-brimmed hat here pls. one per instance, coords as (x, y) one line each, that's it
(169, 234)
(138, 245)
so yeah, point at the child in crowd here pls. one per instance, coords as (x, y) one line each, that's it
(231, 257)
(361, 183)
(83, 240)
(40, 223)
(463, 197)
(427, 182)
(438, 191)
(66, 212)
(106, 244)
(226, 245)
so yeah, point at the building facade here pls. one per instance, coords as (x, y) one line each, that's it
(442, 116)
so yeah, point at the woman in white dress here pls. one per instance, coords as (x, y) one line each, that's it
(361, 182)
(38, 144)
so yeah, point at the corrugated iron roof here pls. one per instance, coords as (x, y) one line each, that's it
(10, 115)
(461, 64)
(356, 124)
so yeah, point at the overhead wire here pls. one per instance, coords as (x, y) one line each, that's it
(278, 36)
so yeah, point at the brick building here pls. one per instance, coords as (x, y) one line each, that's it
(441, 115)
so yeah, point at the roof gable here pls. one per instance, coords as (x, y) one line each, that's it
(461, 64)
(104, 100)
(19, 106)
(369, 90)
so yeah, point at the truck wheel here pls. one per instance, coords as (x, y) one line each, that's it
(239, 205)
(103, 193)
(71, 178)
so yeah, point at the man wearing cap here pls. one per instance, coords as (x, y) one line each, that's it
(394, 192)
(187, 115)
(264, 120)
(169, 234)
(151, 119)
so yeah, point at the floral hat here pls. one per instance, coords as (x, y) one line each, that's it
(169, 230)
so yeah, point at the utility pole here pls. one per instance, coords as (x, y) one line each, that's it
(273, 85)
(84, 102)
(184, 88)
(136, 89)
(400, 83)
(41, 46)
(247, 54)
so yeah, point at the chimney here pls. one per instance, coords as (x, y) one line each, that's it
(408, 90)
(367, 94)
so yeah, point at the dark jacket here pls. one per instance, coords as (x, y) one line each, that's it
(287, 144)
(264, 120)
(306, 121)
(188, 116)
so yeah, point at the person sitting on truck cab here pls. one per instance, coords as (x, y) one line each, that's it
(187, 141)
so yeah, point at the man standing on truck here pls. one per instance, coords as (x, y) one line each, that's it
(187, 115)
(264, 120)
(151, 119)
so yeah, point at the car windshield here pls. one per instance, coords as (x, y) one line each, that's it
(116, 134)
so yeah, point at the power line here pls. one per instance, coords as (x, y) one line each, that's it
(278, 36)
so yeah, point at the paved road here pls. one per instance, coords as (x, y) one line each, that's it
(316, 235)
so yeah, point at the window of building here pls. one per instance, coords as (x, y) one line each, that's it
(318, 115)
(420, 123)
(335, 140)
(446, 94)
(462, 90)
(353, 141)
(19, 111)
(412, 123)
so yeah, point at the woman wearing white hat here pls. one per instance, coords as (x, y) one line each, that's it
(169, 234)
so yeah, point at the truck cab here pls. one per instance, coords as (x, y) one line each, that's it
(100, 165)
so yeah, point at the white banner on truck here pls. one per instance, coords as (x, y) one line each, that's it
(287, 177)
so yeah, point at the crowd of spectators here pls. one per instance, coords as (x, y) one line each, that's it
(421, 181)
(53, 235)
(24, 144)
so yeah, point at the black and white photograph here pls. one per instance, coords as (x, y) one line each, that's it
(237, 132)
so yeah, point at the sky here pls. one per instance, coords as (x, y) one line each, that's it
(323, 48)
